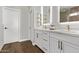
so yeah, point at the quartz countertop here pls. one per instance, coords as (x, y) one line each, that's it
(71, 32)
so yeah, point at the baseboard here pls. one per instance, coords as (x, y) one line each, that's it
(1, 46)
(16, 41)
(23, 40)
(33, 44)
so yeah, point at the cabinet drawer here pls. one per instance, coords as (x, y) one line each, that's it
(45, 41)
(45, 47)
(45, 33)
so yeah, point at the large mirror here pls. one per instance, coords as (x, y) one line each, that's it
(69, 13)
(46, 14)
(37, 16)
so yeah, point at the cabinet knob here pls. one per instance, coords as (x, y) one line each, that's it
(5, 28)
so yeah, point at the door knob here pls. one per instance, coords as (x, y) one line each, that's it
(5, 28)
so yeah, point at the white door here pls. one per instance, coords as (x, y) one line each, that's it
(11, 18)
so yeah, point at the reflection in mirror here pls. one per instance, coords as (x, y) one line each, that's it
(74, 14)
(46, 14)
(64, 12)
(39, 19)
(37, 16)
(69, 13)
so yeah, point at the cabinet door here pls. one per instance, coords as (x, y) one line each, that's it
(70, 48)
(54, 45)
(45, 41)
(38, 38)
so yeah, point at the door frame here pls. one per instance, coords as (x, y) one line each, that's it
(31, 24)
(3, 12)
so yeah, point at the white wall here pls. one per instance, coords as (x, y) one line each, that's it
(24, 24)
(31, 23)
(1, 29)
(55, 15)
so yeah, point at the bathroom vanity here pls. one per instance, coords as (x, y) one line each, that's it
(57, 41)
(42, 39)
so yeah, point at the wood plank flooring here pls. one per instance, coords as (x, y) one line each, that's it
(20, 47)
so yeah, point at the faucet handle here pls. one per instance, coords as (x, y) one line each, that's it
(52, 27)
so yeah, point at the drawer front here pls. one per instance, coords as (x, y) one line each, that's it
(45, 40)
(45, 47)
(45, 33)
(45, 44)
(45, 37)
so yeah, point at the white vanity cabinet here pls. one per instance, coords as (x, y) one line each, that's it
(38, 37)
(42, 40)
(45, 41)
(63, 43)
(54, 45)
(69, 48)
(56, 42)
(58, 46)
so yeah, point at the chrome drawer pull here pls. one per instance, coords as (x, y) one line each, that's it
(61, 46)
(58, 44)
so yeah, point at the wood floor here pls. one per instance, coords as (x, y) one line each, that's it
(21, 47)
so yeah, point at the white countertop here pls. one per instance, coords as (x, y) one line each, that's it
(71, 32)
